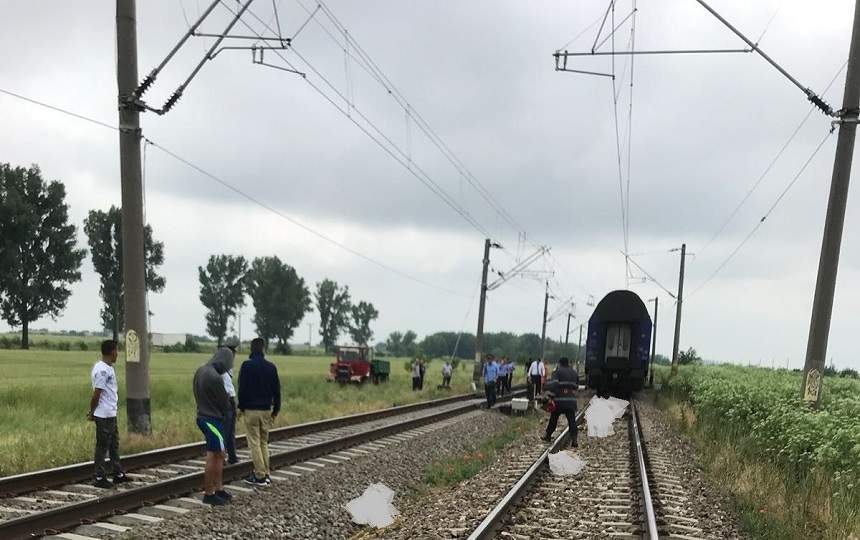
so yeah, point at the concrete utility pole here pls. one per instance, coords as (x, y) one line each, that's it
(133, 270)
(543, 330)
(567, 332)
(825, 284)
(482, 304)
(653, 343)
(579, 348)
(680, 300)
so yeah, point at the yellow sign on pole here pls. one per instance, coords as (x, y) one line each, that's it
(132, 347)
(813, 385)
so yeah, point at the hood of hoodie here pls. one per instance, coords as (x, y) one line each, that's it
(222, 360)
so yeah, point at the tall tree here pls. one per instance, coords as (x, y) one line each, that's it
(363, 314)
(280, 299)
(104, 235)
(410, 347)
(39, 258)
(394, 343)
(334, 306)
(222, 291)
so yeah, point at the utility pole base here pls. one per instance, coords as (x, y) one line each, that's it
(139, 416)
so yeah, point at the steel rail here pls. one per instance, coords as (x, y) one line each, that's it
(75, 514)
(636, 440)
(489, 526)
(70, 474)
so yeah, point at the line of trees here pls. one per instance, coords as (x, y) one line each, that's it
(462, 345)
(40, 258)
(281, 299)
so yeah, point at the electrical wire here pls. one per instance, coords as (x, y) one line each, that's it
(764, 217)
(770, 165)
(391, 148)
(371, 67)
(769, 22)
(245, 195)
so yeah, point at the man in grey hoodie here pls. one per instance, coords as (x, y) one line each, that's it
(213, 408)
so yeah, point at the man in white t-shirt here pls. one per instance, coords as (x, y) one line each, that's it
(230, 421)
(103, 408)
(536, 374)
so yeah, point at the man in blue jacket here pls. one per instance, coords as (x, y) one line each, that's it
(491, 373)
(259, 403)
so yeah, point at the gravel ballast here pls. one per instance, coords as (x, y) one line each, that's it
(312, 506)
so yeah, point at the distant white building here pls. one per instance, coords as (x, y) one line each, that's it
(165, 340)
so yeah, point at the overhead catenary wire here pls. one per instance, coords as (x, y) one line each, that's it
(426, 128)
(770, 165)
(381, 139)
(247, 196)
(366, 62)
(361, 58)
(767, 214)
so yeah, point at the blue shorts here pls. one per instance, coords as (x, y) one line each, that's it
(213, 432)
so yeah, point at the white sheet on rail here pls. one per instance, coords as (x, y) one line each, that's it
(565, 463)
(374, 507)
(601, 413)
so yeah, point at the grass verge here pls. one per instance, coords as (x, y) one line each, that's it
(462, 467)
(772, 502)
(44, 397)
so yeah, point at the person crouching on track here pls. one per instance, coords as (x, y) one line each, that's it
(562, 388)
(491, 373)
(213, 406)
(103, 409)
(259, 403)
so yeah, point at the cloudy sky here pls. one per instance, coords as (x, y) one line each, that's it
(541, 143)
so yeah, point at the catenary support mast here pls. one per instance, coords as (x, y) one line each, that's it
(133, 270)
(825, 284)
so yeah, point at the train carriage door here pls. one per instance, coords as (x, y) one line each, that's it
(618, 341)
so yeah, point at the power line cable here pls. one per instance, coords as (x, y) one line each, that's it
(243, 194)
(392, 90)
(769, 22)
(764, 217)
(391, 148)
(770, 165)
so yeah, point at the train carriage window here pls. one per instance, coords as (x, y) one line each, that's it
(618, 341)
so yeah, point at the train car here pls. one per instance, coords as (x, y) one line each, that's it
(617, 350)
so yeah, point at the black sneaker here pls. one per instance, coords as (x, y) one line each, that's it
(224, 494)
(214, 500)
(574, 444)
(546, 439)
(233, 460)
(103, 483)
(121, 479)
(254, 481)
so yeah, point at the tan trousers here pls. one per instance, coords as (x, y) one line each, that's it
(257, 425)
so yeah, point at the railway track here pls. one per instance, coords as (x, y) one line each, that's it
(56, 500)
(626, 491)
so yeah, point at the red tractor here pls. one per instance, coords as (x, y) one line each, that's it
(356, 364)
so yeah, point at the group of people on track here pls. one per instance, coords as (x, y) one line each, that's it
(558, 392)
(257, 402)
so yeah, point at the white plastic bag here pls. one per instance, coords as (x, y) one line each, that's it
(601, 413)
(374, 507)
(565, 463)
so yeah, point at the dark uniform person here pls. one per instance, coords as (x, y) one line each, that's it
(562, 388)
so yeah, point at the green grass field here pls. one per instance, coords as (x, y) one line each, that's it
(44, 396)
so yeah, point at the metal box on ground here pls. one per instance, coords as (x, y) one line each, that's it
(520, 405)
